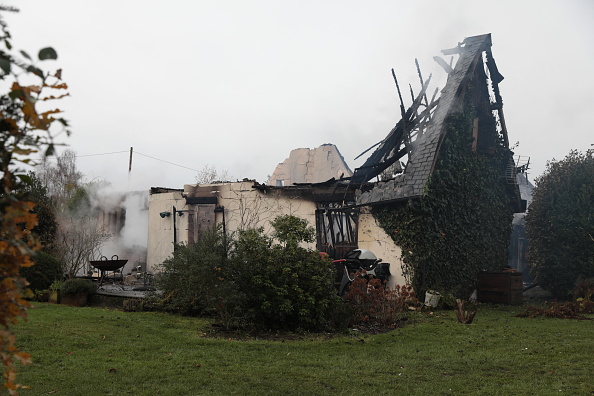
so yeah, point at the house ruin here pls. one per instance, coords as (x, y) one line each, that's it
(339, 207)
(306, 165)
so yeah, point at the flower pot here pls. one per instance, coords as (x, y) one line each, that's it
(432, 298)
(75, 300)
(43, 296)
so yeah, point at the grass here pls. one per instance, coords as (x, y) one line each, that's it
(91, 351)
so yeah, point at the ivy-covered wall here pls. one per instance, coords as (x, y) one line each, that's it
(462, 224)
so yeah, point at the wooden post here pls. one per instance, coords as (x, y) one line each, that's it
(130, 164)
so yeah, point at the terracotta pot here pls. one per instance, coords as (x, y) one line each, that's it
(75, 300)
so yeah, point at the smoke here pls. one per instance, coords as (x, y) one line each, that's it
(125, 216)
(135, 231)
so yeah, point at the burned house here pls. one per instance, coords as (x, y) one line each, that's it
(340, 208)
(182, 215)
(416, 140)
(306, 165)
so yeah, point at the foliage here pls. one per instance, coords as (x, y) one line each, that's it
(56, 285)
(560, 224)
(566, 310)
(292, 230)
(462, 224)
(371, 303)
(79, 204)
(25, 127)
(47, 224)
(580, 306)
(79, 286)
(259, 282)
(285, 286)
(191, 280)
(46, 270)
(584, 289)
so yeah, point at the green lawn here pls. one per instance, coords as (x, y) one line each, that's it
(92, 351)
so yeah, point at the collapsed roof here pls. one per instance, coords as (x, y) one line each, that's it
(418, 136)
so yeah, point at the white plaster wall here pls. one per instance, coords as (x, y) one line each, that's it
(160, 234)
(244, 206)
(373, 237)
(306, 165)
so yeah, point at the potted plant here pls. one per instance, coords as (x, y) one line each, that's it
(42, 295)
(76, 291)
(55, 294)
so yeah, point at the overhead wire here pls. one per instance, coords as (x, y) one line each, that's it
(167, 162)
(136, 152)
(94, 155)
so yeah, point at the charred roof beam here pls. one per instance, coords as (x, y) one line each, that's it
(389, 150)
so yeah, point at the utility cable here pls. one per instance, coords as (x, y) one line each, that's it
(136, 152)
(93, 155)
(167, 162)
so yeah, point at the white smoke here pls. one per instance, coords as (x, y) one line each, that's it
(129, 242)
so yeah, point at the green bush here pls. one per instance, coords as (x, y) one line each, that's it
(79, 286)
(560, 224)
(56, 285)
(253, 281)
(285, 286)
(191, 280)
(46, 270)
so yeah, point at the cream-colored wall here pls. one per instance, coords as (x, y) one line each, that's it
(372, 237)
(246, 207)
(160, 234)
(306, 165)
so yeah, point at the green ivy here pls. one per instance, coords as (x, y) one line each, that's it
(462, 224)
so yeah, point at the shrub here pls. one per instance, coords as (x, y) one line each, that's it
(79, 286)
(253, 281)
(192, 279)
(56, 285)
(46, 270)
(285, 286)
(372, 303)
(566, 310)
(560, 225)
(581, 305)
(584, 289)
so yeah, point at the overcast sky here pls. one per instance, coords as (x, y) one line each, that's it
(238, 84)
